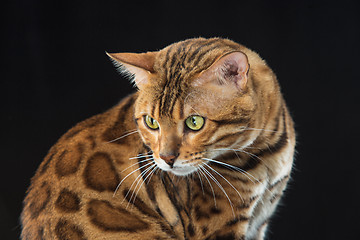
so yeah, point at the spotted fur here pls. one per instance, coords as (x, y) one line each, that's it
(112, 177)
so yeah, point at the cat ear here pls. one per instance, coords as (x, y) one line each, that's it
(139, 66)
(231, 69)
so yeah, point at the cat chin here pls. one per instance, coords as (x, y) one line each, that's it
(183, 171)
(177, 170)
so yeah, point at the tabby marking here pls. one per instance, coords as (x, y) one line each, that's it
(100, 174)
(67, 231)
(68, 162)
(109, 218)
(68, 201)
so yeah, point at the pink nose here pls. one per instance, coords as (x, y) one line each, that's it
(169, 158)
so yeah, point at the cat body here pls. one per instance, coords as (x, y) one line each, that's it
(203, 150)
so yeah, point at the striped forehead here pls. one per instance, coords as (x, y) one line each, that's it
(177, 66)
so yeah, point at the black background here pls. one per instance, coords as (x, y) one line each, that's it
(54, 73)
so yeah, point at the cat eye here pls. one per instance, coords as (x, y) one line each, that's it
(195, 123)
(151, 123)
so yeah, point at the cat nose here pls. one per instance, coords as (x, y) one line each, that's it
(169, 158)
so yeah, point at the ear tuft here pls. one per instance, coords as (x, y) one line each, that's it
(120, 67)
(136, 66)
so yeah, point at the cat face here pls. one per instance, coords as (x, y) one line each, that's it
(177, 140)
(192, 102)
(183, 141)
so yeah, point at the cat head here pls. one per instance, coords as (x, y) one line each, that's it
(195, 99)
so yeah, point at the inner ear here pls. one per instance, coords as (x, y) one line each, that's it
(230, 69)
(137, 65)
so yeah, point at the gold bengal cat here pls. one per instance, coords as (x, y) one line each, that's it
(203, 150)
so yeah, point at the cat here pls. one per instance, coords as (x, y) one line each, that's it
(203, 150)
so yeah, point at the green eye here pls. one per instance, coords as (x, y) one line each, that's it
(195, 123)
(151, 123)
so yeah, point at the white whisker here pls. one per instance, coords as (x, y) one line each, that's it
(153, 172)
(146, 160)
(251, 148)
(248, 175)
(153, 169)
(259, 129)
(128, 133)
(257, 157)
(117, 187)
(141, 156)
(135, 192)
(225, 149)
(226, 181)
(185, 99)
(212, 189)
(245, 173)
(202, 187)
(137, 178)
(219, 185)
(195, 111)
(243, 151)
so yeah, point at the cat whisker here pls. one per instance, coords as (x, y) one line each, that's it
(207, 179)
(239, 169)
(219, 185)
(252, 148)
(118, 186)
(186, 98)
(225, 149)
(142, 173)
(146, 160)
(195, 111)
(137, 179)
(150, 169)
(128, 133)
(260, 129)
(245, 173)
(226, 181)
(257, 157)
(153, 169)
(140, 156)
(173, 178)
(243, 151)
(201, 183)
(154, 172)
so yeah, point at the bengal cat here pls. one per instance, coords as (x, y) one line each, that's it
(203, 150)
